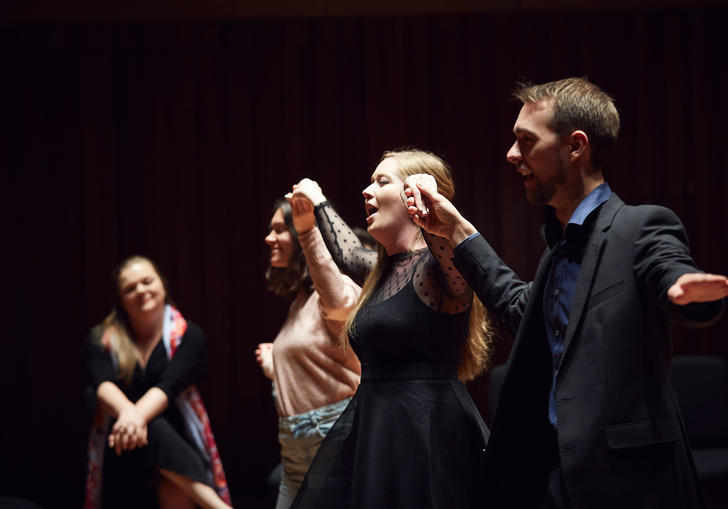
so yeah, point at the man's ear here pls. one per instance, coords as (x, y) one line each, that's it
(579, 145)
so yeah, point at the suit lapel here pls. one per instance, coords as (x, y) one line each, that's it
(589, 263)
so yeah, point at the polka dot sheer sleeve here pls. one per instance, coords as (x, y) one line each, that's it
(353, 258)
(434, 277)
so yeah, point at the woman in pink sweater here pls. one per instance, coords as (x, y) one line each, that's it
(313, 376)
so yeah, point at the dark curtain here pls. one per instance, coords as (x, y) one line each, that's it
(173, 139)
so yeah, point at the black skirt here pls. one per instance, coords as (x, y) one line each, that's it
(411, 438)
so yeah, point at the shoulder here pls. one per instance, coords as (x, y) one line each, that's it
(649, 227)
(101, 336)
(642, 216)
(98, 342)
(194, 332)
(94, 335)
(646, 211)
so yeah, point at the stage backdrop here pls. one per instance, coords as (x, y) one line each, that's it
(173, 139)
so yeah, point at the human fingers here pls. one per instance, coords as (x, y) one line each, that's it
(675, 293)
(293, 202)
(124, 443)
(118, 429)
(303, 216)
(698, 287)
(128, 435)
(424, 180)
(311, 189)
(117, 445)
(410, 184)
(412, 210)
(299, 196)
(136, 439)
(420, 221)
(131, 444)
(143, 434)
(706, 291)
(410, 205)
(426, 192)
(715, 279)
(301, 202)
(427, 184)
(303, 206)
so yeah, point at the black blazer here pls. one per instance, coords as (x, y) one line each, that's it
(620, 439)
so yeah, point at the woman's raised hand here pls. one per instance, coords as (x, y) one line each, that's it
(433, 212)
(414, 198)
(303, 198)
(301, 212)
(419, 193)
(309, 189)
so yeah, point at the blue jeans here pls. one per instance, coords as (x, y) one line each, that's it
(300, 437)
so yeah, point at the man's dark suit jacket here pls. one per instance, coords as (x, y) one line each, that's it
(621, 442)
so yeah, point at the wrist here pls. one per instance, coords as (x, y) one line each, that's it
(153, 403)
(461, 231)
(318, 199)
(126, 407)
(323, 203)
(305, 229)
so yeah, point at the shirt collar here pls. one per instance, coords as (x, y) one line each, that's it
(589, 204)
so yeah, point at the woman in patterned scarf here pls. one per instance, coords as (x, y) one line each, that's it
(151, 438)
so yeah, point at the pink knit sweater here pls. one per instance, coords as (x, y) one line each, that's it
(310, 367)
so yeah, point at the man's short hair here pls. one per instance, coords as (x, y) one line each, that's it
(578, 105)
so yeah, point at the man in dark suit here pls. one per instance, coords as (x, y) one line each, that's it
(586, 416)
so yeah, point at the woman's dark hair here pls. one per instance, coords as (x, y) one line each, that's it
(287, 281)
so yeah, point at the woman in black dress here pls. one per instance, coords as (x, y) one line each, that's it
(411, 436)
(151, 440)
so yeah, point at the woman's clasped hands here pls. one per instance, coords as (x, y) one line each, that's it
(129, 431)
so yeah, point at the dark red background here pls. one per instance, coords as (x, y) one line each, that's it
(173, 138)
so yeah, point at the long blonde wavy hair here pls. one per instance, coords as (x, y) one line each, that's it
(475, 352)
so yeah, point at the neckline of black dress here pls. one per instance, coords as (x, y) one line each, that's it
(406, 255)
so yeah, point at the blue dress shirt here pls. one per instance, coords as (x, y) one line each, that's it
(567, 245)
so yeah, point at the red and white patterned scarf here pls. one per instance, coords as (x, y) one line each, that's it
(189, 402)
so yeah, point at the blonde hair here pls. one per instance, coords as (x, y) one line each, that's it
(475, 351)
(116, 323)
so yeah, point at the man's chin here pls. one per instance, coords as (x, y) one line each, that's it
(537, 198)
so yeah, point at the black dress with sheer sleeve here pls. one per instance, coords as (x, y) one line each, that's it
(411, 436)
